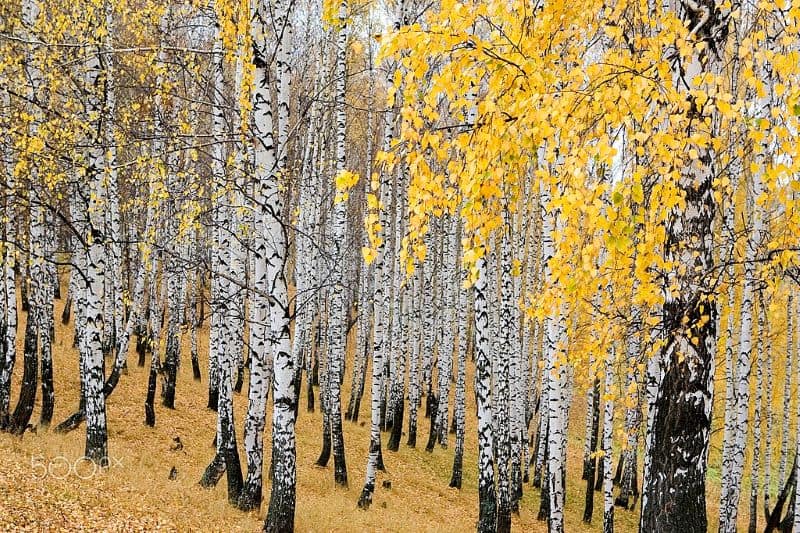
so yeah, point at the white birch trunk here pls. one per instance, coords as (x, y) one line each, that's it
(9, 292)
(381, 315)
(338, 304)
(555, 369)
(92, 358)
(449, 290)
(787, 388)
(269, 171)
(114, 248)
(502, 369)
(487, 497)
(768, 355)
(735, 449)
(260, 334)
(607, 444)
(796, 330)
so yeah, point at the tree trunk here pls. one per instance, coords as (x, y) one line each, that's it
(487, 496)
(338, 310)
(461, 393)
(92, 356)
(47, 328)
(27, 394)
(8, 342)
(227, 454)
(734, 450)
(767, 405)
(382, 272)
(787, 390)
(414, 377)
(590, 462)
(755, 464)
(268, 170)
(674, 486)
(608, 435)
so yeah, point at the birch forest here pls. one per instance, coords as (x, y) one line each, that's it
(400, 265)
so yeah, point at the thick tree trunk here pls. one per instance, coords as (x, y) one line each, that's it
(92, 356)
(268, 170)
(674, 486)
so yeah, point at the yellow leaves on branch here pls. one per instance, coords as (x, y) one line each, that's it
(588, 107)
(345, 181)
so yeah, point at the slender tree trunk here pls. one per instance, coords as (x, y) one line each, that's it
(380, 322)
(787, 388)
(795, 505)
(730, 398)
(9, 295)
(734, 450)
(503, 381)
(227, 454)
(325, 452)
(461, 392)
(213, 339)
(27, 395)
(449, 291)
(487, 495)
(755, 464)
(194, 326)
(127, 332)
(629, 476)
(557, 400)
(260, 381)
(590, 462)
(608, 435)
(47, 327)
(338, 309)
(766, 345)
(414, 376)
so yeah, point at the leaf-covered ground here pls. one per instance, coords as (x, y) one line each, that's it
(44, 486)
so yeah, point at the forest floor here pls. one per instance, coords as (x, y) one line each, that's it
(44, 485)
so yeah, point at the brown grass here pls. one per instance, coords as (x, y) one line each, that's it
(135, 493)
